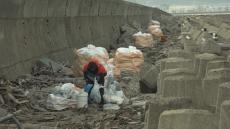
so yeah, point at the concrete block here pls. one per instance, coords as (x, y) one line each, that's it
(210, 89)
(219, 72)
(201, 61)
(190, 46)
(225, 115)
(210, 47)
(187, 119)
(217, 64)
(173, 63)
(171, 72)
(223, 94)
(187, 86)
(156, 106)
(180, 54)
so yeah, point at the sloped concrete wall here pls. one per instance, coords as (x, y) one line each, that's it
(30, 29)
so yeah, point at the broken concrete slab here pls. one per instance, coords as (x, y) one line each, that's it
(223, 94)
(225, 115)
(187, 119)
(159, 104)
(187, 86)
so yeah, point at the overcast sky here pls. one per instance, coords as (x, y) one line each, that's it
(181, 2)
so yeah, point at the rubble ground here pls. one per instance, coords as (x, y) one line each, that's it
(29, 93)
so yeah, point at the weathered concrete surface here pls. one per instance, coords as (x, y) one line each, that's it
(211, 83)
(156, 106)
(180, 54)
(223, 94)
(175, 62)
(187, 119)
(201, 61)
(217, 64)
(171, 72)
(185, 86)
(52, 28)
(225, 115)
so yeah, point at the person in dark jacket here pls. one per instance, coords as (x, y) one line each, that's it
(94, 70)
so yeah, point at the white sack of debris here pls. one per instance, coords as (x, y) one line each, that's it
(127, 59)
(154, 22)
(85, 54)
(143, 39)
(67, 96)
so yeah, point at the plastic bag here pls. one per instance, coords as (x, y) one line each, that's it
(113, 94)
(59, 103)
(95, 93)
(67, 96)
(66, 90)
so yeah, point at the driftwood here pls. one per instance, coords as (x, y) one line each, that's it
(12, 116)
(1, 99)
(10, 91)
(11, 97)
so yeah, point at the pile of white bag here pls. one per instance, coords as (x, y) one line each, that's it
(67, 96)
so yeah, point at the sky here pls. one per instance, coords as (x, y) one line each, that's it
(181, 2)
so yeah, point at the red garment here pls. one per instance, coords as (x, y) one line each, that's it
(101, 68)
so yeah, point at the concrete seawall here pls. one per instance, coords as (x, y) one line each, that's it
(30, 29)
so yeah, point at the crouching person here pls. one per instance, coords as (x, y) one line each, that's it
(94, 70)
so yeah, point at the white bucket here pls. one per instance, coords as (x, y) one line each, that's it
(82, 100)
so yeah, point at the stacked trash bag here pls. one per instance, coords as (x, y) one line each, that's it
(150, 38)
(127, 59)
(70, 96)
